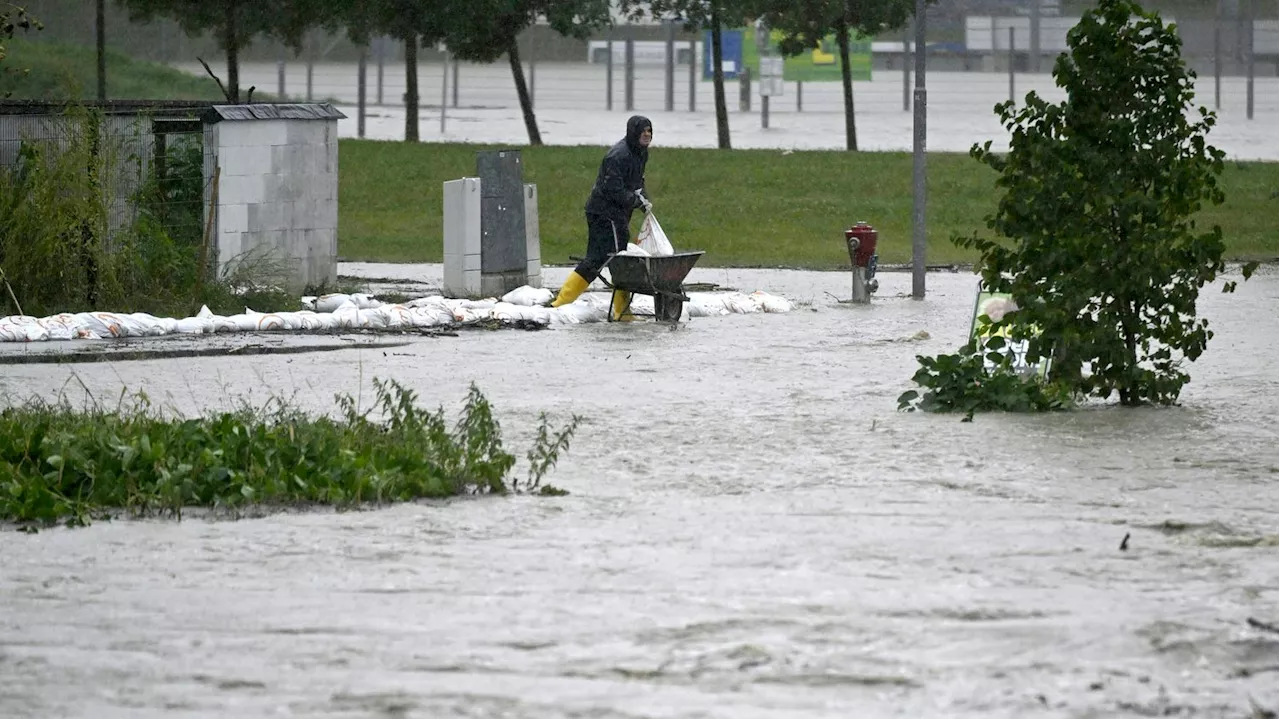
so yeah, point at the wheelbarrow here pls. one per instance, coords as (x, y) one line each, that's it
(660, 277)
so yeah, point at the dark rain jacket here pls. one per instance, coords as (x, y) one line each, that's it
(621, 174)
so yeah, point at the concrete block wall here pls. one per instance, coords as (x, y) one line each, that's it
(277, 188)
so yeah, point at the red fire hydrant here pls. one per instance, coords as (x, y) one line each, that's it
(861, 239)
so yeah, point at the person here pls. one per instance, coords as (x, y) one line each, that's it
(618, 191)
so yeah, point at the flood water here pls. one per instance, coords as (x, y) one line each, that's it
(753, 530)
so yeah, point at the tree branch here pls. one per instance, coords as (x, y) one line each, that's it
(215, 79)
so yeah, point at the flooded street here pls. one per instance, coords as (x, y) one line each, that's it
(752, 530)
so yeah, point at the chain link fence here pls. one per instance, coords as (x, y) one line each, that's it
(976, 47)
(145, 159)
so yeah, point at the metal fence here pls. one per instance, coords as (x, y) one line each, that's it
(651, 67)
(146, 159)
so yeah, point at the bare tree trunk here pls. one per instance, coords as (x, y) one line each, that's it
(717, 78)
(526, 105)
(846, 77)
(411, 89)
(231, 42)
(102, 49)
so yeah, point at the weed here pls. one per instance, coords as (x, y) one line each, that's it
(59, 464)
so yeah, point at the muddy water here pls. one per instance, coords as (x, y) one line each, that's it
(753, 531)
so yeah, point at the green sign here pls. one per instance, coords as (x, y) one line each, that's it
(820, 64)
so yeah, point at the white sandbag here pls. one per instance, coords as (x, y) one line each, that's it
(194, 326)
(60, 326)
(331, 302)
(634, 250)
(528, 296)
(771, 303)
(347, 316)
(507, 312)
(431, 311)
(22, 328)
(430, 315)
(429, 301)
(365, 302)
(652, 239)
(270, 322)
(102, 324)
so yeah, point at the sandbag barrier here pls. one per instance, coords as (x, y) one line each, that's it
(336, 312)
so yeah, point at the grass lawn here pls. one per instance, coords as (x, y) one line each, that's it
(62, 72)
(745, 208)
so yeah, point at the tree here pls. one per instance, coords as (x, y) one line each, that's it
(805, 23)
(1098, 242)
(12, 19)
(485, 30)
(699, 15)
(235, 23)
(415, 23)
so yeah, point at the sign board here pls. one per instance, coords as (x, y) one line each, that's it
(771, 67)
(738, 49)
(730, 54)
(995, 305)
(772, 86)
(820, 64)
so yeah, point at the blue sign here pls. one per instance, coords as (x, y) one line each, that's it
(730, 54)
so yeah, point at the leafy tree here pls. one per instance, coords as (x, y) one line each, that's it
(12, 19)
(806, 22)
(699, 15)
(235, 23)
(1098, 242)
(485, 30)
(415, 23)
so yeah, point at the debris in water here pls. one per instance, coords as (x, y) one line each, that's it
(1124, 543)
(1265, 626)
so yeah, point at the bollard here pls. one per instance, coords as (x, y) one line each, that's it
(744, 90)
(861, 239)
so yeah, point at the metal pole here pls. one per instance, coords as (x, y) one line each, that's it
(444, 90)
(1217, 56)
(533, 72)
(693, 75)
(764, 111)
(629, 83)
(608, 77)
(799, 96)
(671, 66)
(102, 49)
(918, 163)
(455, 81)
(311, 62)
(1011, 60)
(380, 52)
(1034, 65)
(280, 77)
(1249, 66)
(906, 67)
(361, 89)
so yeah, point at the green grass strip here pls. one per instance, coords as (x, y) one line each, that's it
(745, 208)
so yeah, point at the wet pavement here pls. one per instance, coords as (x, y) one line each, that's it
(753, 530)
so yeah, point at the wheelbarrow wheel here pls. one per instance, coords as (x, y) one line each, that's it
(667, 308)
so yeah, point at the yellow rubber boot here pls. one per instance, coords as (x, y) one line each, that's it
(573, 286)
(622, 303)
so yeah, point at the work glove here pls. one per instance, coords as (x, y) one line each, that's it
(644, 201)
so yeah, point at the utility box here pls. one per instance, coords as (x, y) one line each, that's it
(491, 242)
(462, 260)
